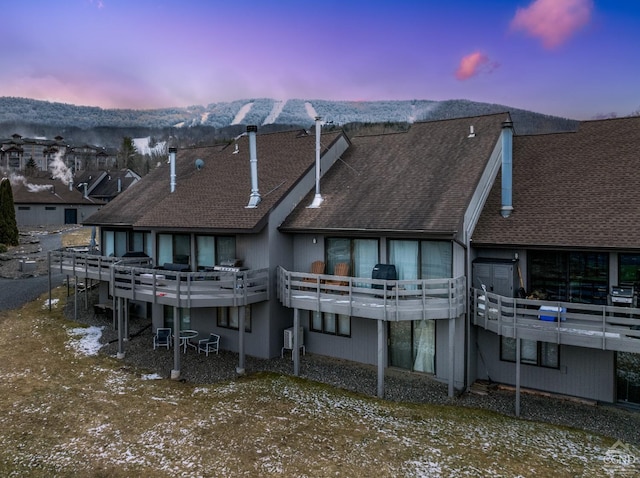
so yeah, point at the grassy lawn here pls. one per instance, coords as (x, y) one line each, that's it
(67, 413)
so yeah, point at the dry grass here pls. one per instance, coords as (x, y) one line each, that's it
(76, 237)
(69, 414)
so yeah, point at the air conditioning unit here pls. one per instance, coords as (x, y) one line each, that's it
(288, 338)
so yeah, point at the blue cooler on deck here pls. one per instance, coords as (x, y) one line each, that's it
(552, 313)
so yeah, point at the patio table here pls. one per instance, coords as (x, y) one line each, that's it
(185, 336)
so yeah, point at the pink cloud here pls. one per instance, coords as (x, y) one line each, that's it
(473, 64)
(553, 21)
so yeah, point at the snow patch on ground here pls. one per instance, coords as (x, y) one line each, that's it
(54, 303)
(278, 106)
(85, 340)
(151, 376)
(242, 113)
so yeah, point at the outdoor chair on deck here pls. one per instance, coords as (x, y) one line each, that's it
(340, 269)
(209, 345)
(162, 338)
(317, 267)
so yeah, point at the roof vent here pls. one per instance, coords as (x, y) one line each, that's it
(472, 133)
(199, 164)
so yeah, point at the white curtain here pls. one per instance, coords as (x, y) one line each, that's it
(424, 337)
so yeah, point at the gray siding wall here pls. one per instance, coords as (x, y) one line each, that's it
(585, 373)
(281, 249)
(442, 351)
(361, 347)
(37, 215)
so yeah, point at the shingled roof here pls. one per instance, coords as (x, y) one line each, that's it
(417, 182)
(215, 197)
(46, 191)
(571, 190)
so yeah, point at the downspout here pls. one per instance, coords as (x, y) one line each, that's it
(507, 169)
(317, 199)
(254, 198)
(172, 164)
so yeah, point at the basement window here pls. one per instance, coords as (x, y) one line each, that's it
(228, 318)
(330, 323)
(532, 352)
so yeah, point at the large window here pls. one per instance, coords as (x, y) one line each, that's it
(629, 270)
(228, 318)
(183, 314)
(412, 345)
(117, 243)
(114, 243)
(174, 248)
(329, 323)
(360, 254)
(212, 250)
(532, 352)
(421, 259)
(580, 277)
(141, 242)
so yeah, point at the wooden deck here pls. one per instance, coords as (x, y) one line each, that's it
(129, 278)
(373, 298)
(593, 326)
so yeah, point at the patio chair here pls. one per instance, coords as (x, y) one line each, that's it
(209, 345)
(162, 338)
(317, 267)
(340, 269)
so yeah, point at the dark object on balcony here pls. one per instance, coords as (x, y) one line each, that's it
(135, 254)
(384, 272)
(172, 266)
(622, 296)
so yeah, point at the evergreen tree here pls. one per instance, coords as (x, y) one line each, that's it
(31, 168)
(8, 225)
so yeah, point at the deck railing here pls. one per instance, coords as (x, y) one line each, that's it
(373, 298)
(604, 327)
(133, 278)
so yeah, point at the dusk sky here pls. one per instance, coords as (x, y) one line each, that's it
(572, 58)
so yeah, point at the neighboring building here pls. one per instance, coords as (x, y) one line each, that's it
(412, 250)
(16, 153)
(573, 235)
(90, 157)
(43, 202)
(105, 185)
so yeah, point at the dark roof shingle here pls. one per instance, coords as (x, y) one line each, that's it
(419, 181)
(578, 190)
(215, 197)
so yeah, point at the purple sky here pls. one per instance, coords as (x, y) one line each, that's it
(573, 58)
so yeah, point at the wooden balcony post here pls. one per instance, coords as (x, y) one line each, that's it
(382, 353)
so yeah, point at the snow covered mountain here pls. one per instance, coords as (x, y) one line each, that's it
(261, 112)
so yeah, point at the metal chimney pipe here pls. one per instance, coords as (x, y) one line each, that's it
(172, 163)
(86, 196)
(317, 199)
(254, 198)
(507, 169)
(119, 185)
